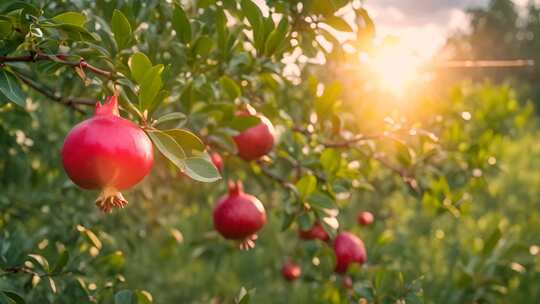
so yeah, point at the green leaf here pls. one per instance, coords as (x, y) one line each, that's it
(171, 117)
(276, 37)
(338, 23)
(201, 169)
(18, 299)
(320, 200)
(125, 297)
(305, 222)
(203, 46)
(306, 185)
(121, 29)
(252, 13)
(168, 147)
(230, 87)
(42, 261)
(492, 241)
(9, 87)
(190, 143)
(330, 161)
(150, 86)
(255, 19)
(143, 297)
(241, 123)
(181, 25)
(139, 66)
(72, 18)
(61, 263)
(242, 297)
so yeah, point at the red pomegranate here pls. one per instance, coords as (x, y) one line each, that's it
(256, 141)
(291, 271)
(348, 249)
(238, 216)
(217, 161)
(316, 232)
(365, 218)
(107, 153)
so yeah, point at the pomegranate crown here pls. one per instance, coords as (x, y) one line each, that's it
(235, 187)
(110, 107)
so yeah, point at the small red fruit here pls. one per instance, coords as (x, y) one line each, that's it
(107, 153)
(316, 232)
(365, 218)
(238, 216)
(291, 271)
(256, 141)
(217, 161)
(348, 249)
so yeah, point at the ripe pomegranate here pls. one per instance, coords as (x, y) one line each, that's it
(365, 218)
(107, 153)
(238, 216)
(256, 141)
(316, 232)
(348, 249)
(291, 271)
(217, 161)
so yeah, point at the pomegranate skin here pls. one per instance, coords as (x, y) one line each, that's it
(316, 232)
(365, 218)
(255, 142)
(238, 216)
(291, 271)
(348, 249)
(217, 160)
(108, 153)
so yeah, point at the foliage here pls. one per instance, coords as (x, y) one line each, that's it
(182, 70)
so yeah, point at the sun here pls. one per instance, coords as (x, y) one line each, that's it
(395, 69)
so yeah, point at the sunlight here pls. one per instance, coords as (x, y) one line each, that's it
(395, 68)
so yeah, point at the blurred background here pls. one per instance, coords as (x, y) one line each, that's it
(460, 223)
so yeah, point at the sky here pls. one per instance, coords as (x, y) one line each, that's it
(422, 25)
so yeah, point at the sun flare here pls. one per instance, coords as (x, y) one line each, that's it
(395, 68)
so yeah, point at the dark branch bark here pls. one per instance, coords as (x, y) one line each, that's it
(72, 102)
(60, 59)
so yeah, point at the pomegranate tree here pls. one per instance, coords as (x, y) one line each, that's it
(348, 249)
(107, 153)
(238, 216)
(291, 271)
(256, 141)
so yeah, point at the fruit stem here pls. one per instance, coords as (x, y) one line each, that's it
(109, 198)
(235, 187)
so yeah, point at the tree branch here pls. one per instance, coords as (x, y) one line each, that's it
(60, 58)
(68, 101)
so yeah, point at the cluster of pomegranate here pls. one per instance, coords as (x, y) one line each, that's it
(110, 154)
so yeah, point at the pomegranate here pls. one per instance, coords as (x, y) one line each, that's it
(316, 232)
(365, 218)
(348, 249)
(217, 161)
(256, 141)
(107, 153)
(291, 271)
(238, 216)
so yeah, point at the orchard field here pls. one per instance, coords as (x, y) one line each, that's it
(270, 151)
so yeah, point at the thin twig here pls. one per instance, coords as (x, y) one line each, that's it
(68, 101)
(60, 59)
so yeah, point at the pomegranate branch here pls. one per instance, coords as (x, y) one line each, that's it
(68, 101)
(60, 59)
